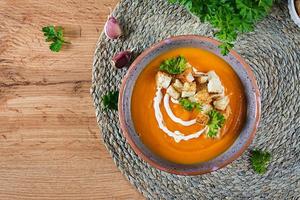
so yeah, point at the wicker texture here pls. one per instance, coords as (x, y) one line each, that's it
(272, 51)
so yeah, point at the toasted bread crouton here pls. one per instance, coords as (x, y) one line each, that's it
(178, 85)
(202, 79)
(215, 86)
(214, 83)
(202, 96)
(189, 66)
(193, 99)
(206, 108)
(217, 96)
(187, 75)
(163, 80)
(173, 93)
(212, 75)
(227, 112)
(201, 87)
(202, 119)
(190, 77)
(197, 73)
(189, 89)
(221, 103)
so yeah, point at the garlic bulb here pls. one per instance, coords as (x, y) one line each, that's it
(122, 59)
(112, 28)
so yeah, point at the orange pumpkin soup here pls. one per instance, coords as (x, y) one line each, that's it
(194, 150)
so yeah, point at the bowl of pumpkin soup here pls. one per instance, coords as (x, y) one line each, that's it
(186, 109)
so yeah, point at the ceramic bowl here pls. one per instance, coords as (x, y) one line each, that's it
(251, 91)
(294, 15)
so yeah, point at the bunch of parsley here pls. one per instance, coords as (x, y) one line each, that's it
(110, 100)
(230, 17)
(55, 36)
(174, 65)
(216, 121)
(260, 160)
(188, 105)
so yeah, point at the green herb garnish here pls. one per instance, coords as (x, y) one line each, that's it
(110, 100)
(260, 160)
(55, 35)
(188, 105)
(230, 17)
(216, 121)
(175, 65)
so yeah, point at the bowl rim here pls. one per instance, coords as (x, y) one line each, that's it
(133, 66)
(293, 12)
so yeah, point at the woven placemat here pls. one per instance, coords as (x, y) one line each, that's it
(273, 52)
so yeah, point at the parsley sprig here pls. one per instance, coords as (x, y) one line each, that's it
(55, 36)
(174, 65)
(260, 160)
(188, 105)
(110, 100)
(229, 17)
(216, 121)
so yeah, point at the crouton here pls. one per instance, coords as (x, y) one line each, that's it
(221, 103)
(217, 96)
(227, 112)
(202, 79)
(178, 85)
(197, 73)
(206, 108)
(202, 119)
(190, 77)
(187, 75)
(163, 80)
(172, 92)
(188, 66)
(214, 83)
(215, 86)
(189, 89)
(212, 75)
(201, 87)
(202, 96)
(193, 99)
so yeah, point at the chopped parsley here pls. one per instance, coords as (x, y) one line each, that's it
(260, 160)
(188, 105)
(55, 36)
(174, 65)
(230, 17)
(216, 121)
(110, 100)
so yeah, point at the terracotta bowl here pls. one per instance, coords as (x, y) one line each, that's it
(251, 91)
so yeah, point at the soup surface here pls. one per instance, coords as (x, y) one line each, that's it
(197, 149)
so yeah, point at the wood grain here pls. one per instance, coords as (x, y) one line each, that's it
(49, 140)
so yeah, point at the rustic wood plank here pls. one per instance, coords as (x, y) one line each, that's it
(49, 140)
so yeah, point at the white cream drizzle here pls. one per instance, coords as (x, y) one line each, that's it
(172, 116)
(175, 101)
(176, 135)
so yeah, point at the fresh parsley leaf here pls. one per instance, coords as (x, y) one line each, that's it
(110, 100)
(174, 65)
(188, 105)
(55, 36)
(56, 46)
(216, 121)
(229, 17)
(225, 48)
(260, 160)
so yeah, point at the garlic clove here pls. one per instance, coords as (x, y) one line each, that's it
(122, 59)
(112, 28)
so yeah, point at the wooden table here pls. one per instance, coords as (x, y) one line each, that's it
(50, 146)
